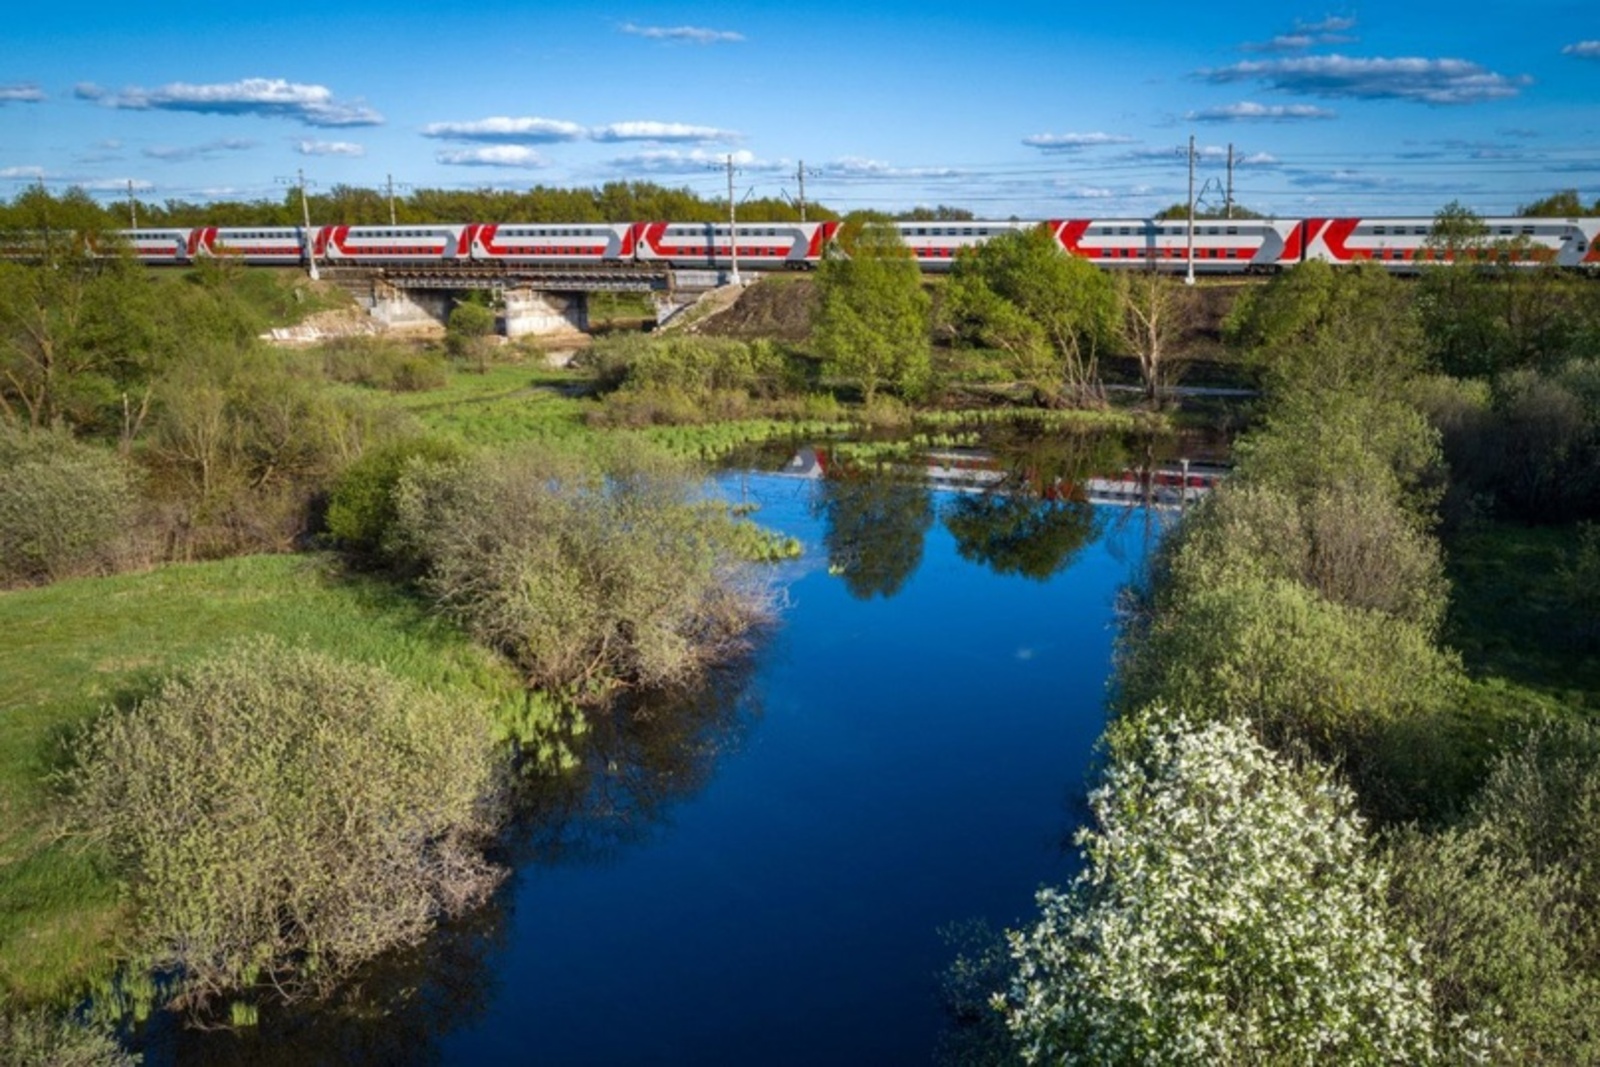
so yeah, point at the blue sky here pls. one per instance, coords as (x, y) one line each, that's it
(1058, 109)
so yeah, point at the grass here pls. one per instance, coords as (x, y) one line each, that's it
(1509, 615)
(508, 403)
(76, 647)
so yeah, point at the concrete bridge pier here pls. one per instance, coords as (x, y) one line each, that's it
(400, 309)
(532, 312)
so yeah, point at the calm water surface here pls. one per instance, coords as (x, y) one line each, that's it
(766, 883)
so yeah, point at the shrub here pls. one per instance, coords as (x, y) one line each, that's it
(1351, 544)
(1227, 913)
(64, 505)
(1496, 937)
(40, 1038)
(587, 575)
(382, 364)
(361, 507)
(1303, 670)
(283, 816)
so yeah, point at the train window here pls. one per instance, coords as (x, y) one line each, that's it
(1124, 231)
(1233, 231)
(1506, 230)
(1527, 231)
(1380, 230)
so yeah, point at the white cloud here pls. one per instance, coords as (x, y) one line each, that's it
(1248, 111)
(185, 153)
(313, 105)
(534, 130)
(1583, 50)
(693, 34)
(1209, 153)
(1428, 81)
(504, 155)
(661, 131)
(22, 93)
(115, 185)
(1330, 24)
(1331, 30)
(856, 167)
(502, 129)
(29, 173)
(1072, 142)
(330, 148)
(677, 161)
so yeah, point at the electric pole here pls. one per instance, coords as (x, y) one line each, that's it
(1228, 198)
(733, 232)
(133, 208)
(305, 216)
(1189, 277)
(800, 176)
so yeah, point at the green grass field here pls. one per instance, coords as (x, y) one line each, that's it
(76, 647)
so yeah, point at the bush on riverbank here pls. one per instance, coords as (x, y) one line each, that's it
(1228, 913)
(589, 574)
(282, 816)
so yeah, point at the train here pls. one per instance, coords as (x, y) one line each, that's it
(1216, 246)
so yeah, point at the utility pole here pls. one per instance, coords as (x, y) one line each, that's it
(800, 176)
(305, 216)
(733, 232)
(1189, 277)
(133, 208)
(1228, 198)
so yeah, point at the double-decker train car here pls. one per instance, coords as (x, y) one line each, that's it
(760, 245)
(1404, 243)
(1220, 247)
(935, 244)
(160, 247)
(422, 243)
(258, 245)
(558, 244)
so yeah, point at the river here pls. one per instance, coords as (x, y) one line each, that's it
(763, 879)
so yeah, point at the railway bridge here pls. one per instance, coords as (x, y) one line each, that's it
(536, 299)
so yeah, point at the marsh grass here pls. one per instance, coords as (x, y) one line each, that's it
(76, 647)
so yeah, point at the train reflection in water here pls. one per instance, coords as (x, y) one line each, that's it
(1164, 486)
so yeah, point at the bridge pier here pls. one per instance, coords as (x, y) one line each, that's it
(534, 312)
(402, 309)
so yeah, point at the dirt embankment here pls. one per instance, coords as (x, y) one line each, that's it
(777, 308)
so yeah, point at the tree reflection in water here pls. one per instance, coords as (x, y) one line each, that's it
(874, 523)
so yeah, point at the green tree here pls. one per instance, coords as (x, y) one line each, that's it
(1560, 205)
(1334, 330)
(1227, 912)
(871, 327)
(468, 331)
(1050, 313)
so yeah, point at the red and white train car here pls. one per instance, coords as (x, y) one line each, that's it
(422, 243)
(555, 244)
(258, 245)
(760, 245)
(159, 247)
(936, 244)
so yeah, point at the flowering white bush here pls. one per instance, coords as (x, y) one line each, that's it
(1227, 913)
